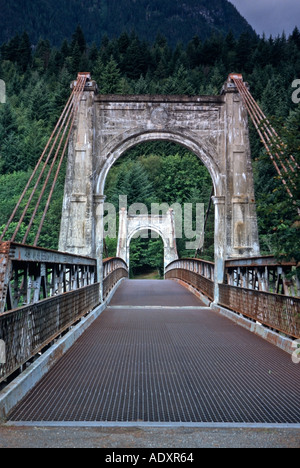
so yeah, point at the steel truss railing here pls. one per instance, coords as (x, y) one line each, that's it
(251, 288)
(44, 293)
(263, 274)
(29, 274)
(114, 269)
(278, 312)
(197, 273)
(28, 330)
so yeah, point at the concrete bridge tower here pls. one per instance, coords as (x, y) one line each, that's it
(215, 128)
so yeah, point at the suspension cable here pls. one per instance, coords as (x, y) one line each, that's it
(272, 132)
(39, 179)
(35, 169)
(56, 140)
(78, 98)
(264, 123)
(264, 137)
(268, 135)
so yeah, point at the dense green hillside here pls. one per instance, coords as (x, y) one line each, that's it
(38, 82)
(176, 20)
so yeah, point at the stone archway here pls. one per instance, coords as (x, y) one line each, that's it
(117, 148)
(215, 128)
(163, 225)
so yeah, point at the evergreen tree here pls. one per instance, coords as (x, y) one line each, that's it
(9, 140)
(24, 52)
(97, 70)
(75, 59)
(10, 51)
(93, 53)
(135, 60)
(194, 52)
(212, 49)
(295, 37)
(244, 53)
(40, 103)
(79, 39)
(123, 43)
(274, 98)
(216, 78)
(133, 182)
(110, 78)
(229, 51)
(42, 55)
(65, 49)
(142, 86)
(179, 83)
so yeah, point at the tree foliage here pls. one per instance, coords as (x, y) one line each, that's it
(55, 20)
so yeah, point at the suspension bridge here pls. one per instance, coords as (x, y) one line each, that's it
(214, 343)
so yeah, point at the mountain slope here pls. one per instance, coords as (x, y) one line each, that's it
(176, 20)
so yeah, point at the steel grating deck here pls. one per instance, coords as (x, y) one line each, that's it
(166, 364)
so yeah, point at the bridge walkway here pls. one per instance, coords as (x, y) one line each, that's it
(158, 355)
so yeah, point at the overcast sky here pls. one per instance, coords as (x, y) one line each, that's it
(270, 16)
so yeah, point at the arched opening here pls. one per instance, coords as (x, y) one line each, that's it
(167, 174)
(146, 255)
(214, 129)
(116, 149)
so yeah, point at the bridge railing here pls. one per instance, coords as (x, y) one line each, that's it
(29, 274)
(281, 313)
(197, 273)
(257, 288)
(114, 269)
(28, 330)
(44, 293)
(265, 291)
(263, 274)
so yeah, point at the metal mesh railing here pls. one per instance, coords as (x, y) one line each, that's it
(197, 273)
(279, 312)
(26, 331)
(114, 269)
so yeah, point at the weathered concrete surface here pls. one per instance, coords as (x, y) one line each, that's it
(215, 128)
(162, 225)
(77, 227)
(135, 438)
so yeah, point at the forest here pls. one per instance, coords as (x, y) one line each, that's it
(38, 85)
(178, 21)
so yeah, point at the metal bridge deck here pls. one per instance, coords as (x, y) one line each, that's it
(140, 362)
